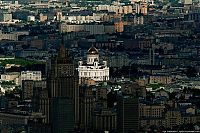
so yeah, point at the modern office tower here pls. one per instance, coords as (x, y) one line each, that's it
(62, 105)
(127, 114)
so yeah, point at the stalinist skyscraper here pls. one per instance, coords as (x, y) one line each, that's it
(62, 77)
(63, 93)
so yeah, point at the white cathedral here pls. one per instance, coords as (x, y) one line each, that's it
(93, 68)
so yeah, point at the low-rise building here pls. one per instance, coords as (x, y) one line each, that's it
(162, 79)
(13, 76)
(12, 35)
(151, 111)
(31, 75)
(4, 17)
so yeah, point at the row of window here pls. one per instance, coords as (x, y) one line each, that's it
(92, 73)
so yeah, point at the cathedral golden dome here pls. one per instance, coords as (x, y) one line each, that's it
(92, 50)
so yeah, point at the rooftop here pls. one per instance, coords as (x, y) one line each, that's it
(92, 50)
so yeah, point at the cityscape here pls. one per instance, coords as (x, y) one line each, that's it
(99, 66)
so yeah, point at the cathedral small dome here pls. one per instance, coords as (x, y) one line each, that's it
(92, 50)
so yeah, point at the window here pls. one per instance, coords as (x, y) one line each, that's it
(85, 73)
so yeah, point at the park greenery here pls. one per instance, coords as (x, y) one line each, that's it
(6, 83)
(154, 86)
(19, 61)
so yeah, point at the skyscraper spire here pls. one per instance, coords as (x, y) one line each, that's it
(62, 51)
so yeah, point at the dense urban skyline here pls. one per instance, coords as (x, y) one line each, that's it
(125, 66)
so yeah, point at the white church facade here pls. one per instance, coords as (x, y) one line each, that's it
(93, 68)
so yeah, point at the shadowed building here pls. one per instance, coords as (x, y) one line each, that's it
(22, 121)
(62, 115)
(86, 106)
(62, 105)
(127, 114)
(104, 120)
(29, 86)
